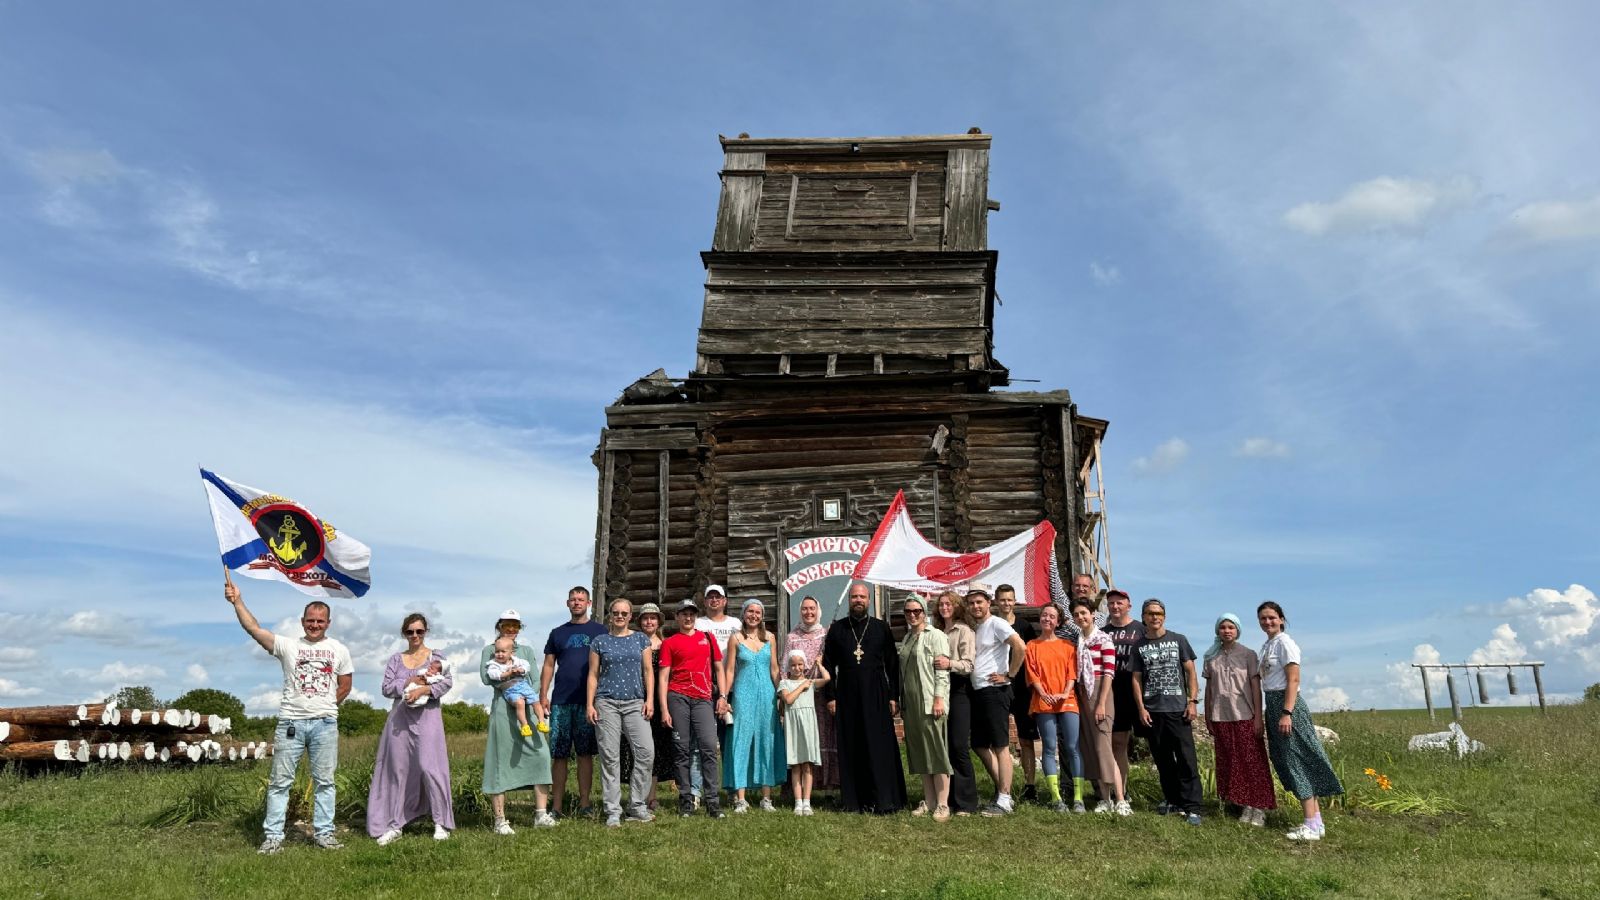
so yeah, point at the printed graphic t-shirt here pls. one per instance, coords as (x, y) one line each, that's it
(310, 676)
(1160, 662)
(690, 656)
(569, 644)
(1124, 637)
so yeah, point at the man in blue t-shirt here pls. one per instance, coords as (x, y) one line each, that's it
(566, 663)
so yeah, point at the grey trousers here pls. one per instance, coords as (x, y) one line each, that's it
(624, 720)
(694, 728)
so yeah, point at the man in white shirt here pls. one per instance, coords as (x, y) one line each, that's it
(720, 626)
(998, 653)
(317, 672)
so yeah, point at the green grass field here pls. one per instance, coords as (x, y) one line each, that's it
(1522, 820)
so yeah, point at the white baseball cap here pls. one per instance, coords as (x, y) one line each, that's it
(511, 614)
(715, 589)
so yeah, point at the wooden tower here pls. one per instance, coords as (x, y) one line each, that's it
(846, 351)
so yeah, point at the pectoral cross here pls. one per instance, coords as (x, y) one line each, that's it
(858, 653)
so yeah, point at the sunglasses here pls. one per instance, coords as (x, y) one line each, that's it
(410, 631)
(913, 612)
(621, 613)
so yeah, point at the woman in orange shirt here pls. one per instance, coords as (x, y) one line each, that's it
(1052, 666)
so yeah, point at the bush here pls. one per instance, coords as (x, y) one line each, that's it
(1591, 694)
(356, 717)
(135, 696)
(211, 701)
(464, 718)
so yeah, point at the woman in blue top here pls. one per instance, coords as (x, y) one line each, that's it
(754, 755)
(620, 702)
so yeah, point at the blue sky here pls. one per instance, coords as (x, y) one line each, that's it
(1331, 273)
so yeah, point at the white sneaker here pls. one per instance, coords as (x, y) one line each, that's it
(388, 837)
(741, 806)
(1248, 815)
(1259, 820)
(503, 827)
(1005, 802)
(1104, 806)
(1304, 832)
(1124, 808)
(766, 804)
(440, 833)
(799, 808)
(543, 819)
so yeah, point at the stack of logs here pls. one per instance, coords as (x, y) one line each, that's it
(101, 732)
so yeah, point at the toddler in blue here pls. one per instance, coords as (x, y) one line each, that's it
(521, 693)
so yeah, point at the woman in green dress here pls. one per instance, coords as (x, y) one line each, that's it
(925, 696)
(511, 761)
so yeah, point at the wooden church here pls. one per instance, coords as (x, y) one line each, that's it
(846, 351)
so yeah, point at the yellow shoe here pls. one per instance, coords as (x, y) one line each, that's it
(526, 731)
(544, 727)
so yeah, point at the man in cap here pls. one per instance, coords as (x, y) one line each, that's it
(693, 684)
(721, 626)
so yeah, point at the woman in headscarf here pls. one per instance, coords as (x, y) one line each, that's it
(1292, 740)
(1233, 717)
(807, 638)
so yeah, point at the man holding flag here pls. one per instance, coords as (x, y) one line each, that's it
(267, 536)
(317, 672)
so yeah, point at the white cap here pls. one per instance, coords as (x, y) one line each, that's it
(715, 589)
(511, 614)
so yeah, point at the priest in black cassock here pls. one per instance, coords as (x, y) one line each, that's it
(859, 655)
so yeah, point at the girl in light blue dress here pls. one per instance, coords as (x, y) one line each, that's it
(754, 755)
(797, 696)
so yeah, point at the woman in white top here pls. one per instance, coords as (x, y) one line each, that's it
(1292, 741)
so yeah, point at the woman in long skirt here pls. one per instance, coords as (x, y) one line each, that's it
(511, 761)
(1297, 754)
(1233, 717)
(924, 696)
(412, 773)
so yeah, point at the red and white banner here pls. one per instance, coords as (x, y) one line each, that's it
(899, 556)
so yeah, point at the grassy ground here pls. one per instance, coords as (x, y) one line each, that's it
(1518, 821)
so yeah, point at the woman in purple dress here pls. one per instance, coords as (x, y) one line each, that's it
(412, 773)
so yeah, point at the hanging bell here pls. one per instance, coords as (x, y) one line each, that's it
(1483, 687)
(1511, 682)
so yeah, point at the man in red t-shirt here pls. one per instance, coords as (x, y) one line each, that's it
(692, 684)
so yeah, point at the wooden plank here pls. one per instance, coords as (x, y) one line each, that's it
(602, 553)
(740, 201)
(909, 340)
(911, 210)
(966, 198)
(651, 439)
(662, 523)
(794, 192)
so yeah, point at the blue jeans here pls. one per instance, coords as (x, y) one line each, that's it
(319, 737)
(1057, 729)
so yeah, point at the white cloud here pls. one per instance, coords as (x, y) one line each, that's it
(1104, 275)
(92, 623)
(9, 688)
(1564, 626)
(1405, 680)
(1327, 699)
(263, 703)
(1167, 456)
(1262, 448)
(17, 657)
(197, 674)
(1556, 221)
(1502, 647)
(120, 673)
(1401, 204)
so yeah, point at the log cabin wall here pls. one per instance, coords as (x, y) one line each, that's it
(845, 352)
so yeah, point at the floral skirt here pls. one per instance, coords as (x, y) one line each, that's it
(1298, 756)
(1244, 777)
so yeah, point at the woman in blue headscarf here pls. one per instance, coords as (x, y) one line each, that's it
(1233, 717)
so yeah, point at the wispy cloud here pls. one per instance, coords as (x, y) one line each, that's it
(1557, 221)
(1104, 274)
(1384, 203)
(1262, 448)
(1165, 458)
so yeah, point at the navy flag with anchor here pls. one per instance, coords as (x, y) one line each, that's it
(263, 535)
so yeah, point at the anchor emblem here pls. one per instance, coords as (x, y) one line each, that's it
(295, 539)
(285, 548)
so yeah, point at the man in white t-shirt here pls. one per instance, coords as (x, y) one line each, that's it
(998, 653)
(316, 678)
(720, 626)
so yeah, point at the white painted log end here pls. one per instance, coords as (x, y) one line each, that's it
(63, 751)
(165, 755)
(214, 724)
(173, 717)
(134, 716)
(124, 750)
(82, 753)
(5, 730)
(83, 711)
(149, 752)
(196, 752)
(113, 716)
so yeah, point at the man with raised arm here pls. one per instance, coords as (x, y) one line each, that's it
(316, 678)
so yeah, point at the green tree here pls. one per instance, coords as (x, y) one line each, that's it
(1591, 694)
(212, 702)
(134, 696)
(356, 717)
